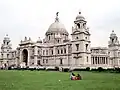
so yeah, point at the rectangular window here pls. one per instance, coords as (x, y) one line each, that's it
(93, 60)
(77, 47)
(43, 61)
(61, 51)
(38, 62)
(52, 52)
(61, 61)
(43, 52)
(87, 58)
(46, 52)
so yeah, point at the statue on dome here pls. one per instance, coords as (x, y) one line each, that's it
(57, 13)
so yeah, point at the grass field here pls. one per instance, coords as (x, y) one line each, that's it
(48, 80)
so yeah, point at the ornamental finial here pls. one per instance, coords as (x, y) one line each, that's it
(57, 14)
(57, 19)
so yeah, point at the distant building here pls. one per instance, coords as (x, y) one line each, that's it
(56, 49)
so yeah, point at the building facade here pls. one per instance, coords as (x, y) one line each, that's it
(56, 49)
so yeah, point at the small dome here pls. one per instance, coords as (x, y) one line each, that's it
(39, 40)
(80, 17)
(6, 38)
(57, 27)
(113, 34)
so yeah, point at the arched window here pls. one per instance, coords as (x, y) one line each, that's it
(78, 25)
(48, 37)
(64, 50)
(112, 40)
(7, 55)
(86, 47)
(61, 51)
(77, 46)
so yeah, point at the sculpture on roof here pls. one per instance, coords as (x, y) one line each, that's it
(57, 13)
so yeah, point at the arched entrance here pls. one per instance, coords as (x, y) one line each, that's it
(25, 56)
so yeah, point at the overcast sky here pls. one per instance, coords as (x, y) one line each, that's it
(32, 18)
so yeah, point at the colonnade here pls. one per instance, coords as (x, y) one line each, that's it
(99, 60)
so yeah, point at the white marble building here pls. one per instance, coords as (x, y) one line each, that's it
(56, 49)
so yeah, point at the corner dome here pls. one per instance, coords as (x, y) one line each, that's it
(57, 27)
(80, 17)
(113, 34)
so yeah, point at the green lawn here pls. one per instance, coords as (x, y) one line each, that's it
(48, 80)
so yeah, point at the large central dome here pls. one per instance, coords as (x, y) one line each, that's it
(57, 27)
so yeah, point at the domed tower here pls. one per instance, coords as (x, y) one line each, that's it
(6, 46)
(80, 42)
(113, 47)
(113, 39)
(6, 52)
(57, 32)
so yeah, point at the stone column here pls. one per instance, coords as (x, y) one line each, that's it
(95, 60)
(21, 57)
(35, 55)
(98, 60)
(28, 64)
(54, 53)
(68, 61)
(91, 60)
(102, 60)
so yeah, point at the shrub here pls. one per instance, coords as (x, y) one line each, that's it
(88, 69)
(93, 69)
(117, 70)
(100, 69)
(56, 68)
(9, 68)
(66, 70)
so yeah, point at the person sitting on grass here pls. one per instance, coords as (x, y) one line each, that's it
(78, 77)
(72, 76)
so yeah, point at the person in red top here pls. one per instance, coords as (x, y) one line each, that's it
(78, 77)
